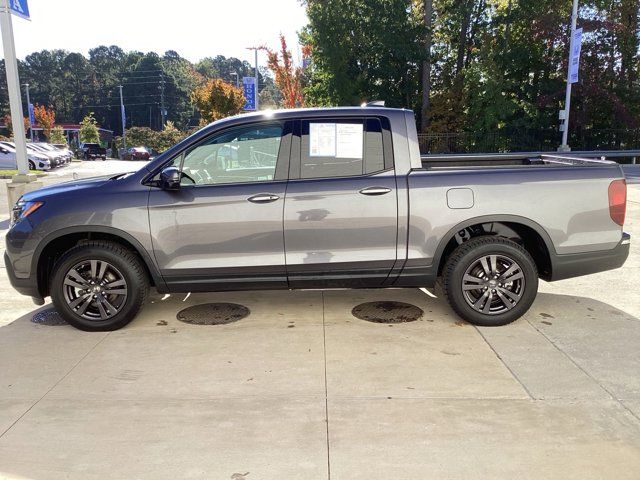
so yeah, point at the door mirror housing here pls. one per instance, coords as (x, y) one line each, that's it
(170, 178)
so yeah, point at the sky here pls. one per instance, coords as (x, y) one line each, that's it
(195, 29)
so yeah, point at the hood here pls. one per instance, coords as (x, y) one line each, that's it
(67, 187)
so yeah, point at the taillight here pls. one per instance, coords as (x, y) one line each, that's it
(618, 200)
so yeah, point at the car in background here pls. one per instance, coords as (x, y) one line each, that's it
(91, 151)
(137, 153)
(8, 158)
(56, 157)
(47, 147)
(64, 148)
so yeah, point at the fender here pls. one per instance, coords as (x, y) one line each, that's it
(148, 260)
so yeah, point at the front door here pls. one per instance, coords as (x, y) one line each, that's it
(223, 228)
(341, 207)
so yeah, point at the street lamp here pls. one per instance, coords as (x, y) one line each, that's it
(235, 74)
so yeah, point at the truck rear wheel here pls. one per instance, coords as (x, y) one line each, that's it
(490, 281)
(99, 286)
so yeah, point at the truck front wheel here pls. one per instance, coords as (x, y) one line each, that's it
(99, 286)
(490, 281)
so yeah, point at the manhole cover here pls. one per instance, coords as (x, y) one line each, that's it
(387, 312)
(49, 317)
(213, 313)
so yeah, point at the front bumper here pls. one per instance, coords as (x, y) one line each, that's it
(25, 286)
(577, 264)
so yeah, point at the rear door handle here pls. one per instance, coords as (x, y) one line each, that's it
(263, 198)
(375, 190)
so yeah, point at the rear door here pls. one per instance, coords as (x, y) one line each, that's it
(341, 206)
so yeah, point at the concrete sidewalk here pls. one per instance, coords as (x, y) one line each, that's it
(301, 389)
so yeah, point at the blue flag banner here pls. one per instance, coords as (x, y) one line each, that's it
(19, 8)
(250, 91)
(124, 118)
(574, 65)
(32, 115)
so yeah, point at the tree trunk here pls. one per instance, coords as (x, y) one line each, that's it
(426, 64)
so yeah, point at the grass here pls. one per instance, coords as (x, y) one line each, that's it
(10, 173)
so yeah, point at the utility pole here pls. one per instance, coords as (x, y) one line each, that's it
(162, 108)
(13, 85)
(564, 147)
(255, 51)
(124, 121)
(26, 86)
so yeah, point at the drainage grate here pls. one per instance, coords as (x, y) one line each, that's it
(213, 313)
(387, 312)
(48, 317)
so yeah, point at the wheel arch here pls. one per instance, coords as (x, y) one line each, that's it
(56, 243)
(530, 234)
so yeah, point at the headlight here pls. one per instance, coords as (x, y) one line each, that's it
(23, 209)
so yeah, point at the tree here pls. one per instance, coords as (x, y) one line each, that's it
(46, 118)
(168, 137)
(287, 76)
(9, 123)
(89, 130)
(217, 99)
(57, 136)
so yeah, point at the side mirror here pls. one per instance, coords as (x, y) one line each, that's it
(170, 178)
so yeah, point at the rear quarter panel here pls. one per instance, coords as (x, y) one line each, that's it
(569, 203)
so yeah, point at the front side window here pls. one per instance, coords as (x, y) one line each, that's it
(239, 155)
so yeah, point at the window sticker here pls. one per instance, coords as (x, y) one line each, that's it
(349, 140)
(322, 139)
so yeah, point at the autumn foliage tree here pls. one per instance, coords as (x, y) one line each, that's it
(46, 118)
(9, 124)
(288, 78)
(216, 99)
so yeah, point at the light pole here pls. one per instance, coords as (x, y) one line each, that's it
(235, 74)
(13, 85)
(564, 147)
(124, 124)
(26, 86)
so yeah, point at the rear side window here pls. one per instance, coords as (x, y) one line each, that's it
(341, 147)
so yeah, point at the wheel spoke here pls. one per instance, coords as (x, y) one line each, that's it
(115, 283)
(79, 300)
(510, 270)
(471, 286)
(117, 291)
(494, 264)
(477, 305)
(485, 266)
(73, 283)
(513, 296)
(505, 301)
(102, 270)
(110, 308)
(487, 304)
(513, 278)
(77, 277)
(84, 305)
(471, 278)
(94, 268)
(103, 312)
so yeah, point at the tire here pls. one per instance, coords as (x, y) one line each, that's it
(477, 266)
(85, 292)
(32, 166)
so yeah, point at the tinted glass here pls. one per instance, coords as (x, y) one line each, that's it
(246, 154)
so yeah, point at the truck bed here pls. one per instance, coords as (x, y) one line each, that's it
(507, 159)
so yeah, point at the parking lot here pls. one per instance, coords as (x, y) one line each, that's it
(300, 388)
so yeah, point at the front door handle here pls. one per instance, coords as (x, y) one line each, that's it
(375, 190)
(263, 198)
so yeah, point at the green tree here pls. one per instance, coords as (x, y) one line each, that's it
(89, 130)
(57, 136)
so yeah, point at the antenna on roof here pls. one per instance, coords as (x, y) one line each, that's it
(375, 103)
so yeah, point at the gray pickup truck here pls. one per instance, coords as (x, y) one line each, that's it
(317, 198)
